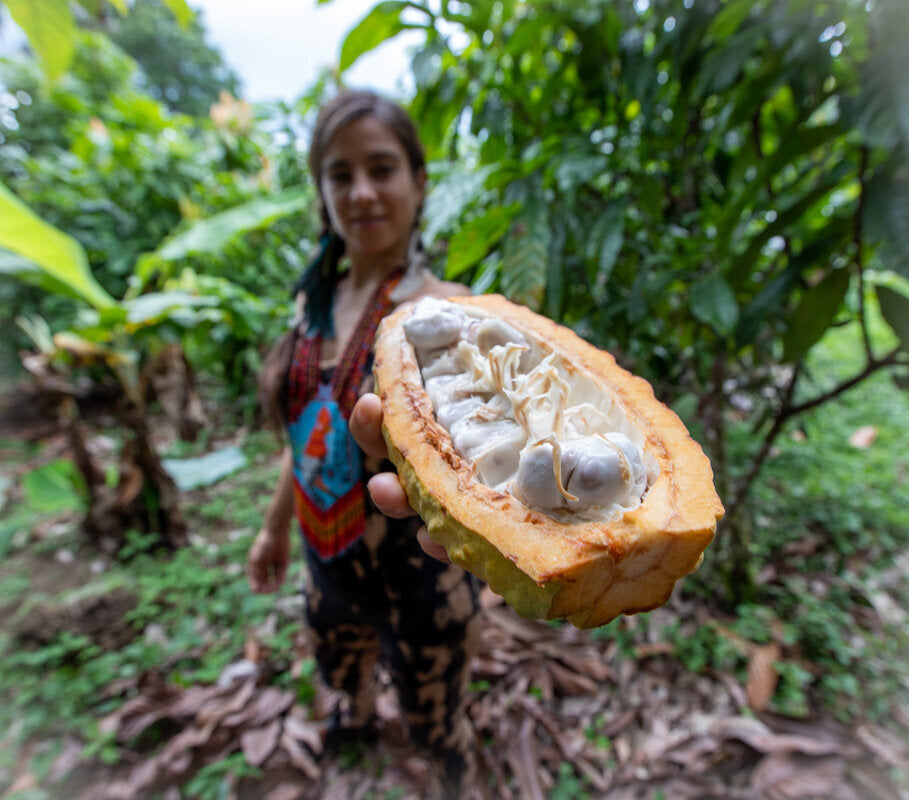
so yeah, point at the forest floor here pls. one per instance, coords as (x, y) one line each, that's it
(619, 713)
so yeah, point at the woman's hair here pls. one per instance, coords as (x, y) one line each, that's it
(320, 278)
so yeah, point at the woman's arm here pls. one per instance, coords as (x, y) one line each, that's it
(269, 555)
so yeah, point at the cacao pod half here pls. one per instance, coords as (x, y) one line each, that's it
(586, 565)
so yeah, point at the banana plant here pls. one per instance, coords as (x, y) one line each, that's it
(124, 338)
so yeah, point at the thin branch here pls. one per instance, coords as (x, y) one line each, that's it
(788, 410)
(873, 365)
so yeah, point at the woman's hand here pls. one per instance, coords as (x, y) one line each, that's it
(266, 564)
(385, 488)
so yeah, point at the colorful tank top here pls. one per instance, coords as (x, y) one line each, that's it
(329, 487)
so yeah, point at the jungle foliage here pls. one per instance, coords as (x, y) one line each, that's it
(132, 230)
(715, 191)
(704, 188)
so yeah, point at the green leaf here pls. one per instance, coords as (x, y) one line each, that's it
(764, 303)
(157, 306)
(449, 198)
(181, 11)
(743, 264)
(723, 64)
(382, 22)
(555, 277)
(606, 242)
(895, 309)
(573, 170)
(814, 314)
(886, 213)
(60, 256)
(51, 31)
(473, 240)
(730, 18)
(191, 473)
(525, 256)
(212, 235)
(15, 266)
(713, 302)
(54, 488)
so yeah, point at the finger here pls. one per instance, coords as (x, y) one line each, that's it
(432, 549)
(280, 574)
(388, 495)
(257, 581)
(366, 426)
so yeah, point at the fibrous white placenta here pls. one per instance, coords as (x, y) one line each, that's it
(528, 425)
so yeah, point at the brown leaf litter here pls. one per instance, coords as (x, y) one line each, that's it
(554, 708)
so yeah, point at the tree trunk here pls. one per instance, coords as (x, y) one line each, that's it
(145, 497)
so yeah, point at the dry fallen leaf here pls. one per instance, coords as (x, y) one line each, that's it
(789, 776)
(762, 675)
(259, 743)
(862, 438)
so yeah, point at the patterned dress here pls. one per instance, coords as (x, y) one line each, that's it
(373, 596)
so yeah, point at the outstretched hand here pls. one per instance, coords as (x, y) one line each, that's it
(385, 488)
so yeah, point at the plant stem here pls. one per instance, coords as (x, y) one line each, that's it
(788, 410)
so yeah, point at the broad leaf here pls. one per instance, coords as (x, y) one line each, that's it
(382, 22)
(158, 306)
(606, 242)
(29, 272)
(895, 309)
(730, 18)
(191, 473)
(60, 256)
(211, 235)
(886, 215)
(525, 257)
(555, 278)
(55, 487)
(473, 240)
(51, 31)
(763, 304)
(181, 11)
(815, 314)
(713, 303)
(449, 198)
(573, 170)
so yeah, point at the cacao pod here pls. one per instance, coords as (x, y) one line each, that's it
(558, 478)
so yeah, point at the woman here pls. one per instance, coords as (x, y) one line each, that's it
(373, 595)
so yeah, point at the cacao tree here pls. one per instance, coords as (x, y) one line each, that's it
(702, 187)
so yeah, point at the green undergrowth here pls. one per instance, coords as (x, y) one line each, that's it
(829, 540)
(831, 522)
(192, 614)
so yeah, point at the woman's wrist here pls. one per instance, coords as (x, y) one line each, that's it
(275, 530)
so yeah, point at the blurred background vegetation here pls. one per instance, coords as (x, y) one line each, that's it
(717, 191)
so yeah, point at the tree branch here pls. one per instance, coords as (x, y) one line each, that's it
(788, 410)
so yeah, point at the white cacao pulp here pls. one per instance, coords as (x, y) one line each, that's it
(530, 426)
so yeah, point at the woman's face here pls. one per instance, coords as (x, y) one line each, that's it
(370, 192)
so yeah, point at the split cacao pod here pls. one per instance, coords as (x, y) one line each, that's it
(587, 571)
